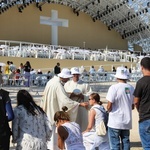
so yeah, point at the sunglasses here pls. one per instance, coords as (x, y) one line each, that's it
(90, 99)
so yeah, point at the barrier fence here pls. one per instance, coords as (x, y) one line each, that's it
(98, 81)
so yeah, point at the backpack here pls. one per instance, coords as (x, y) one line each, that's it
(102, 128)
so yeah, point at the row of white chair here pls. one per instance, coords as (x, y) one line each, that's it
(42, 79)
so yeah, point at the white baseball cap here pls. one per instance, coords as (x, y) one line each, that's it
(121, 73)
(65, 73)
(75, 70)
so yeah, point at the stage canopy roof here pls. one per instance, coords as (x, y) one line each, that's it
(131, 18)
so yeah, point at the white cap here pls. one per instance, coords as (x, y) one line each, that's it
(75, 70)
(121, 73)
(65, 73)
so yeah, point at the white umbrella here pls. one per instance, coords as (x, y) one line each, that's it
(2, 64)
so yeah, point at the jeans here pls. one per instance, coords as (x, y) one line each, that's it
(117, 135)
(27, 77)
(144, 130)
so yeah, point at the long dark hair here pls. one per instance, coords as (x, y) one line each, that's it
(62, 115)
(24, 98)
(27, 64)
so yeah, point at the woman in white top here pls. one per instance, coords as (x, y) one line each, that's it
(31, 127)
(69, 133)
(91, 139)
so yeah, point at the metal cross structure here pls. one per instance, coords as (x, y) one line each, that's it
(54, 21)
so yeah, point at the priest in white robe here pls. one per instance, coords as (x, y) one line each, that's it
(55, 98)
(79, 92)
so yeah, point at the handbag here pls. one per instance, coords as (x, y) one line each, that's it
(101, 129)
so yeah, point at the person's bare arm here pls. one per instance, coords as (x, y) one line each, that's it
(109, 106)
(92, 114)
(62, 136)
(136, 103)
(61, 144)
(84, 104)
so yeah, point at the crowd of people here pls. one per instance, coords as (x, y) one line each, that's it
(16, 74)
(72, 116)
(23, 75)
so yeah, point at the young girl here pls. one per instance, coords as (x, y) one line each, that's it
(31, 128)
(69, 134)
(91, 139)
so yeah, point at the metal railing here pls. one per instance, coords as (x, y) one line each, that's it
(42, 79)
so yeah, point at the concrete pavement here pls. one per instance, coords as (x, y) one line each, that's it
(37, 95)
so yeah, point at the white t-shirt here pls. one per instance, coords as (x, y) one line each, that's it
(121, 97)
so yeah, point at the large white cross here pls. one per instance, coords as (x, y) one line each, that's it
(54, 21)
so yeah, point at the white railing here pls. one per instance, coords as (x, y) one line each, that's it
(36, 50)
(42, 79)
